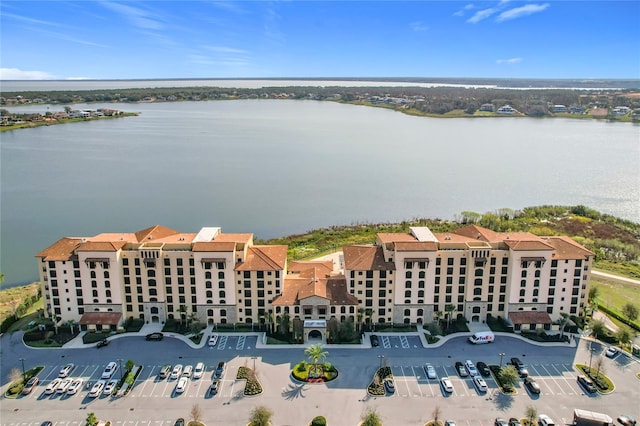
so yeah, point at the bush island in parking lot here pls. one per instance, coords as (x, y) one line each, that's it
(253, 386)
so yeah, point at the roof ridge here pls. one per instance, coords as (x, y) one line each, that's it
(264, 256)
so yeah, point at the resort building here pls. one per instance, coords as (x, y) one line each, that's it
(158, 274)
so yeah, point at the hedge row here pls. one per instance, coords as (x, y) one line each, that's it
(618, 317)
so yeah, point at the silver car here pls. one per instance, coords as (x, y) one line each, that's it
(431, 372)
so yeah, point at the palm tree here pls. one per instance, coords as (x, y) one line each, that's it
(369, 313)
(316, 353)
(268, 316)
(563, 321)
(285, 322)
(183, 310)
(370, 417)
(449, 309)
(530, 414)
(359, 317)
(260, 416)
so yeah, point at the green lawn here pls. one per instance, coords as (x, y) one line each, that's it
(614, 295)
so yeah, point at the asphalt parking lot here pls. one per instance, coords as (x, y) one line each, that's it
(153, 401)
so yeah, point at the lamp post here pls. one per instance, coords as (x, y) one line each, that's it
(120, 367)
(590, 357)
(254, 363)
(501, 354)
(381, 357)
(24, 374)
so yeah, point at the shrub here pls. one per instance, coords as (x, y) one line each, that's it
(319, 421)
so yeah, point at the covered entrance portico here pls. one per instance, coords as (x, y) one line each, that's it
(315, 331)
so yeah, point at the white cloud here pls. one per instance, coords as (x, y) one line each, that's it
(18, 74)
(482, 15)
(223, 49)
(464, 9)
(521, 11)
(418, 26)
(136, 16)
(509, 61)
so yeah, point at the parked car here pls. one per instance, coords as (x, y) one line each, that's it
(213, 388)
(449, 423)
(431, 372)
(611, 352)
(522, 371)
(31, 383)
(110, 387)
(66, 370)
(544, 420)
(198, 371)
(483, 369)
(446, 384)
(154, 336)
(516, 362)
(177, 371)
(500, 422)
(76, 385)
(111, 368)
(532, 385)
(471, 368)
(64, 385)
(187, 371)
(480, 383)
(97, 388)
(220, 369)
(51, 387)
(461, 369)
(587, 384)
(101, 343)
(374, 340)
(514, 422)
(182, 384)
(213, 339)
(627, 421)
(165, 371)
(179, 422)
(389, 386)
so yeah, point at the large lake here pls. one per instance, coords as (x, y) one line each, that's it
(277, 167)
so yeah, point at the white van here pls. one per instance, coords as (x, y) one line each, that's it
(482, 337)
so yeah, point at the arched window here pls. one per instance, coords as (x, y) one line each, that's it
(420, 284)
(408, 274)
(93, 274)
(420, 293)
(537, 273)
(407, 293)
(352, 310)
(221, 275)
(535, 292)
(106, 274)
(479, 272)
(153, 292)
(407, 321)
(95, 293)
(210, 313)
(223, 312)
(151, 273)
(107, 293)
(207, 284)
(220, 284)
(477, 291)
(407, 284)
(209, 293)
(95, 301)
(420, 312)
(523, 283)
(477, 281)
(522, 292)
(421, 274)
(343, 309)
(207, 275)
(407, 312)
(222, 294)
(152, 283)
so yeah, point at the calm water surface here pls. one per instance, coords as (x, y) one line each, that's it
(275, 167)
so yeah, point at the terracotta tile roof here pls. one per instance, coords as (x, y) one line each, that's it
(387, 237)
(128, 237)
(153, 233)
(365, 258)
(264, 258)
(566, 248)
(101, 246)
(324, 267)
(528, 245)
(101, 318)
(213, 246)
(451, 237)
(530, 317)
(62, 249)
(478, 233)
(416, 246)
(176, 238)
(236, 238)
(297, 288)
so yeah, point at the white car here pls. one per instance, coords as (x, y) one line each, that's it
(182, 384)
(76, 385)
(187, 371)
(177, 370)
(544, 420)
(111, 368)
(51, 387)
(480, 383)
(199, 370)
(446, 384)
(109, 387)
(213, 339)
(471, 368)
(610, 352)
(64, 385)
(64, 372)
(97, 388)
(431, 372)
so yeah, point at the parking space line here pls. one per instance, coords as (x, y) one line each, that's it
(240, 343)
(561, 373)
(416, 377)
(404, 342)
(222, 342)
(552, 378)
(386, 343)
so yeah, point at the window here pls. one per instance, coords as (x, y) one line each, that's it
(477, 291)
(408, 274)
(408, 265)
(522, 292)
(407, 293)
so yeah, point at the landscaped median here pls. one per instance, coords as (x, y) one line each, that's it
(603, 384)
(376, 387)
(253, 386)
(16, 386)
(505, 378)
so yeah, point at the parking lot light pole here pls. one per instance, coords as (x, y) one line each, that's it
(24, 374)
(381, 357)
(501, 354)
(590, 357)
(120, 367)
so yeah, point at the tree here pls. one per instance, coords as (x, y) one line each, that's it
(594, 292)
(196, 413)
(599, 365)
(359, 316)
(630, 311)
(449, 309)
(598, 328)
(14, 375)
(316, 353)
(369, 313)
(436, 414)
(508, 375)
(370, 417)
(563, 321)
(129, 365)
(92, 420)
(260, 416)
(531, 413)
(623, 335)
(183, 310)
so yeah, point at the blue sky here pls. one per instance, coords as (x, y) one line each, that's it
(253, 39)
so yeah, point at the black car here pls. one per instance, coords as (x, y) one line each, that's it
(374, 340)
(154, 336)
(461, 369)
(516, 362)
(483, 369)
(627, 421)
(514, 422)
(587, 384)
(532, 385)
(213, 388)
(101, 343)
(179, 422)
(220, 369)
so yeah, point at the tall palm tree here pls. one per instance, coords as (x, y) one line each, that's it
(316, 353)
(563, 321)
(369, 313)
(359, 317)
(449, 309)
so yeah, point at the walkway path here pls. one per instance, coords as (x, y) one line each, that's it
(614, 277)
